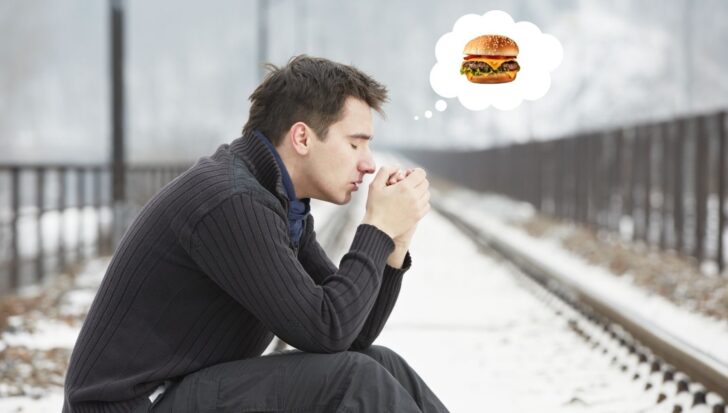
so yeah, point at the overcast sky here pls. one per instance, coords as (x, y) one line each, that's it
(191, 66)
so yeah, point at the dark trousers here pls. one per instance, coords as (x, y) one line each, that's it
(372, 380)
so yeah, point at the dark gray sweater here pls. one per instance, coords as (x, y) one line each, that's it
(207, 274)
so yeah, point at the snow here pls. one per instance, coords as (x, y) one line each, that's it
(482, 341)
(706, 334)
(472, 327)
(48, 335)
(50, 402)
(57, 225)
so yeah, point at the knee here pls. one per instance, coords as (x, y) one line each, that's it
(355, 363)
(381, 353)
(354, 359)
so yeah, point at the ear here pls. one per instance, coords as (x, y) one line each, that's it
(300, 137)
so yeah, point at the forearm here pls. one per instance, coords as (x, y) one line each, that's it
(386, 299)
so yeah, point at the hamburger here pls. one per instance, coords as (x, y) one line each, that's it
(490, 58)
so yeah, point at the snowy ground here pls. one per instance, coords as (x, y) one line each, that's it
(484, 343)
(464, 321)
(466, 324)
(490, 213)
(35, 346)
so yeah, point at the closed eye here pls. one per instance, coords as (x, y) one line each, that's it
(354, 146)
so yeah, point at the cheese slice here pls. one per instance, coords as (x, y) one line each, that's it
(494, 63)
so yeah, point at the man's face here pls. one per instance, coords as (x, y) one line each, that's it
(344, 157)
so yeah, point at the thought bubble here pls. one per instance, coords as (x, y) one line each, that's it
(539, 54)
(440, 105)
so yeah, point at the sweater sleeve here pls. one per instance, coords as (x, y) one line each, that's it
(317, 263)
(312, 255)
(243, 246)
(388, 294)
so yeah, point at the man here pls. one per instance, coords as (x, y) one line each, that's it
(225, 256)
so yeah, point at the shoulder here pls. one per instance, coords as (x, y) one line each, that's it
(244, 183)
(220, 184)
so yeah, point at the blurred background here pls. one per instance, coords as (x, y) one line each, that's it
(190, 67)
(622, 162)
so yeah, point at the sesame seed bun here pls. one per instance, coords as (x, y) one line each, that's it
(491, 45)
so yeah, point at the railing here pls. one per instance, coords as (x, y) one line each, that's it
(661, 183)
(54, 216)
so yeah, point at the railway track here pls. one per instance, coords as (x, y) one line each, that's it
(675, 375)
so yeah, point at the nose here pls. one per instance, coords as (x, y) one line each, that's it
(367, 165)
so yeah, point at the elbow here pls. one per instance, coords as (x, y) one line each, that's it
(326, 346)
(340, 345)
(361, 343)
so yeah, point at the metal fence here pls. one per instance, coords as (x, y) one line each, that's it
(662, 183)
(54, 216)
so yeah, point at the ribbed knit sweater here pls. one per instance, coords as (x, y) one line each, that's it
(207, 274)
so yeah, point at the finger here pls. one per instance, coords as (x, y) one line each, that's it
(395, 177)
(423, 184)
(424, 209)
(417, 175)
(424, 199)
(383, 175)
(426, 196)
(398, 177)
(422, 187)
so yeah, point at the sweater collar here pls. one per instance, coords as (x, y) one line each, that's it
(268, 168)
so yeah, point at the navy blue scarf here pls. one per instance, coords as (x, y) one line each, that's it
(298, 209)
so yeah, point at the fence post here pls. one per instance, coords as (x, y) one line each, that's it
(575, 173)
(647, 185)
(550, 173)
(618, 186)
(595, 173)
(634, 153)
(584, 171)
(40, 202)
(601, 179)
(664, 182)
(80, 200)
(701, 192)
(587, 171)
(559, 179)
(97, 206)
(61, 219)
(631, 148)
(721, 187)
(540, 175)
(14, 240)
(678, 212)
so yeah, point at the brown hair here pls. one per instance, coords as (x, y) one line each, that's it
(310, 90)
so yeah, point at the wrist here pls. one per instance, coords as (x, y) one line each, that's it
(374, 222)
(401, 245)
(397, 257)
